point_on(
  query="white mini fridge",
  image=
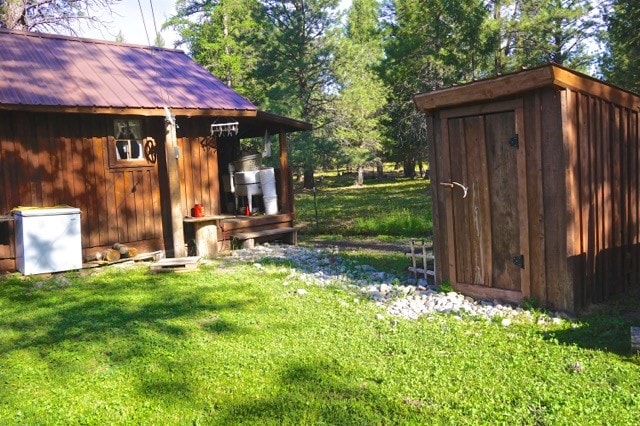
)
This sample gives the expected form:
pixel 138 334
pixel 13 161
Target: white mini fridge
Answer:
pixel 47 239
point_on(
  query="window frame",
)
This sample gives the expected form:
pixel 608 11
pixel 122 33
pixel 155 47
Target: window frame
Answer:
pixel 114 144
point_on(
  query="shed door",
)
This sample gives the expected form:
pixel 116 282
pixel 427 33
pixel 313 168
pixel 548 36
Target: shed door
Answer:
pixel 486 230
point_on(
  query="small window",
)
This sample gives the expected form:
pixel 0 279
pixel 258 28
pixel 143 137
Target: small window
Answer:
pixel 128 147
pixel 128 134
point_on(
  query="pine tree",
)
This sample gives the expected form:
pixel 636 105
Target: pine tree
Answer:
pixel 621 62
pixel 359 105
pixel 298 68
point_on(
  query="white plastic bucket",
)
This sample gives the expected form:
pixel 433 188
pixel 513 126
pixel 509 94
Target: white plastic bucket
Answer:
pixel 270 205
pixel 268 182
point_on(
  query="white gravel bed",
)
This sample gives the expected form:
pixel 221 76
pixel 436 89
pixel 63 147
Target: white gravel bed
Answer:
pixel 401 296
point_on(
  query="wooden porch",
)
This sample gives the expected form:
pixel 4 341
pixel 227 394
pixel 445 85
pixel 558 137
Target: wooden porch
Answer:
pixel 209 235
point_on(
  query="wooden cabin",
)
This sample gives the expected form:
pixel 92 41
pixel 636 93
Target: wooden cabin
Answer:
pixel 124 133
pixel 535 187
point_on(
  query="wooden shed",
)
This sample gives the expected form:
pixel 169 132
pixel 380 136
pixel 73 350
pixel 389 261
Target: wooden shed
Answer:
pixel 124 133
pixel 535 187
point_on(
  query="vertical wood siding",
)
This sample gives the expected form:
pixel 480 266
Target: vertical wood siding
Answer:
pixel 52 159
pixel 605 166
pixel 198 166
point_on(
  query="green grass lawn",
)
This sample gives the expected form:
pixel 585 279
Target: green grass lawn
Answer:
pixel 391 208
pixel 239 344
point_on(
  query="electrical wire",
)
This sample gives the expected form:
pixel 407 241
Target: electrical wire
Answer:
pixel 144 24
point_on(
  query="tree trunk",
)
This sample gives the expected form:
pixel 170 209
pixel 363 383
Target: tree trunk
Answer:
pixel 309 183
pixel 359 177
pixel 380 169
pixel 409 168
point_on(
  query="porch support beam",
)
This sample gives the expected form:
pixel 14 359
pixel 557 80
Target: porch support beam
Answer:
pixel 175 197
pixel 286 189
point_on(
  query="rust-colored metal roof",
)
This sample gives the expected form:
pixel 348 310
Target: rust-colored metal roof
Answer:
pixel 50 71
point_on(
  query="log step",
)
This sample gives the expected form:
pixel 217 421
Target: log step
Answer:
pixel 177 264
pixel 249 238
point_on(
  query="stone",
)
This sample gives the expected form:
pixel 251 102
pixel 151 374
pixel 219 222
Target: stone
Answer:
pixel 301 292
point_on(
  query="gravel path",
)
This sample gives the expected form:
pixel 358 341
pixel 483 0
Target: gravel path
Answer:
pixel 400 297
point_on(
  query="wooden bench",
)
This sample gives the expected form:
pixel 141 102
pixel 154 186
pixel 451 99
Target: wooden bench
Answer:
pixel 249 238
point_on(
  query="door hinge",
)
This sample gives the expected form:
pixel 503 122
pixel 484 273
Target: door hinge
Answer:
pixel 518 260
pixel 514 141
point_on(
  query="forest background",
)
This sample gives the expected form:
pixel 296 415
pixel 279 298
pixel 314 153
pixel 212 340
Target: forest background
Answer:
pixel 353 74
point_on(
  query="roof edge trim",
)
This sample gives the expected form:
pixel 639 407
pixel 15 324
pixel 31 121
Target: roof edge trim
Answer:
pixel 549 75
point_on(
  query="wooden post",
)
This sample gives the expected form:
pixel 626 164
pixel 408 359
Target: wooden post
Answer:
pixel 286 192
pixel 173 173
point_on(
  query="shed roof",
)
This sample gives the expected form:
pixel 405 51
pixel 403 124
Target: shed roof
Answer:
pixel 550 75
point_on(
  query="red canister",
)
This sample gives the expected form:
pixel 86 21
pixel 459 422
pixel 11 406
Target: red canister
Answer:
pixel 197 210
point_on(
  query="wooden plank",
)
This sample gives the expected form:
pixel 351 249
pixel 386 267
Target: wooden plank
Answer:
pixel 548 76
pixel 24 171
pixel 488 293
pixel 91 204
pixel 571 79
pixel 607 203
pixel 583 293
pixel 486 89
pixel 244 222
pixel 154 112
pixel 213 180
pixel 598 188
pixel 439 233
pixel 554 196
pixel 616 212
pixel 624 200
pixel 572 190
pixel 147 204
pixel 156 202
pixel 181 264
pixel 446 201
pixel 9 162
pixel 461 229
pixel 44 179
pixel 254 228
pixel 522 202
pixel 502 165
pixel 111 178
pixel 533 129
pixel 265 233
pixel 139 195
pixel 186 161
pixel 478 199
pixel 101 194
pixel 635 196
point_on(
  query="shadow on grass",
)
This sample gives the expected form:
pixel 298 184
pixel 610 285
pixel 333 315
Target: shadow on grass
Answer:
pixel 318 393
pixel 121 310
pixel 609 333
pixel 605 326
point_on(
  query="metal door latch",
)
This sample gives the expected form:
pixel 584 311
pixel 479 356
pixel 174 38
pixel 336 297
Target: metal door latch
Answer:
pixel 452 184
